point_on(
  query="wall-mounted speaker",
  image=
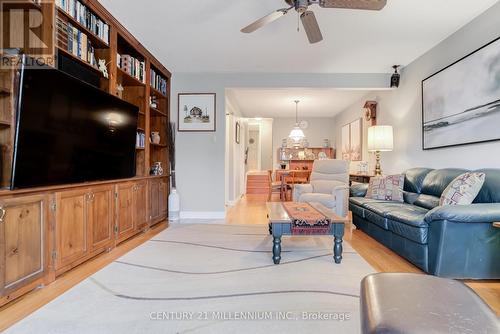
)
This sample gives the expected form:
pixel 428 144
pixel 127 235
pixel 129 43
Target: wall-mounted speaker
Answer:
pixel 396 77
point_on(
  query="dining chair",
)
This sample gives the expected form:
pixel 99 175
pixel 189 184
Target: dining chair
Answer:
pixel 275 187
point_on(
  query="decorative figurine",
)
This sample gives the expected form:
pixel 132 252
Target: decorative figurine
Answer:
pixel 103 68
pixel 119 90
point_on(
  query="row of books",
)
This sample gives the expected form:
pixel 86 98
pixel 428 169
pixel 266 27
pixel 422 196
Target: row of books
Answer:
pixel 75 42
pixel 140 141
pixel 86 17
pixel 133 66
pixel 158 82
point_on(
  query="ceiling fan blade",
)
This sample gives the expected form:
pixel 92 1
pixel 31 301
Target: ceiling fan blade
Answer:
pixel 354 4
pixel 311 27
pixel 265 20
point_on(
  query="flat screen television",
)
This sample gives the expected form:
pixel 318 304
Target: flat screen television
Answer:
pixel 70 132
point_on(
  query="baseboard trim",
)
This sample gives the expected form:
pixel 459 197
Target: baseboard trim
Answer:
pixel 203 215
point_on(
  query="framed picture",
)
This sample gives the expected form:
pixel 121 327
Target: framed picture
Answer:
pixel 352 139
pixel 196 112
pixel 237 135
pixel 461 103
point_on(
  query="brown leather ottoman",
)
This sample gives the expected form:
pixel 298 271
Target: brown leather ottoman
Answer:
pixel 413 303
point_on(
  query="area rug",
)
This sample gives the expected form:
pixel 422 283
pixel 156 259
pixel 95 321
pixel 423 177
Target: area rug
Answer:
pixel 201 278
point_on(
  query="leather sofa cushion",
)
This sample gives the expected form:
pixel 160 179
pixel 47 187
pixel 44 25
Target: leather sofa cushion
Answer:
pixel 376 219
pixel 427 201
pixel 410 215
pixel 489 192
pixel 384 208
pixel 357 210
pixel 360 201
pixel 437 180
pixel 409 222
pixel 411 232
pixel 381 213
pixel 356 205
pixel 325 199
pixel 414 179
pixel 410 197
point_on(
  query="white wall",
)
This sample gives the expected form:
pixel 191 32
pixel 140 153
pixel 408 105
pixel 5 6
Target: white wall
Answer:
pixel 318 130
pixel 201 156
pixel 402 108
pixel 266 144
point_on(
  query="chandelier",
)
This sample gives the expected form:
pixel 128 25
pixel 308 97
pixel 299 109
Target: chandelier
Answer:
pixel 297 135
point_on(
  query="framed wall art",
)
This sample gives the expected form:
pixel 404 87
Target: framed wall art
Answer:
pixel 196 112
pixel 352 139
pixel 461 103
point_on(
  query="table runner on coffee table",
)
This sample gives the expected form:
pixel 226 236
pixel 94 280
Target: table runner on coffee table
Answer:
pixel 306 220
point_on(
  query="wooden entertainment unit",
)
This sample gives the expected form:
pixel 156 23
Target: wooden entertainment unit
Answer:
pixel 47 231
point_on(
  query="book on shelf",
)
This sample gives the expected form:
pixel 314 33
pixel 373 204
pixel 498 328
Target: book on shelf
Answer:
pixel 72 40
pixel 132 66
pixel 158 82
pixel 83 15
pixel 140 140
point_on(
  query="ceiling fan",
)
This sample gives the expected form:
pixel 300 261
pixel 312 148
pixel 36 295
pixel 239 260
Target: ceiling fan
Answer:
pixel 308 18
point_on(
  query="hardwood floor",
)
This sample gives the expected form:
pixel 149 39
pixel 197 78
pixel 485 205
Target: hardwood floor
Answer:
pixel 251 209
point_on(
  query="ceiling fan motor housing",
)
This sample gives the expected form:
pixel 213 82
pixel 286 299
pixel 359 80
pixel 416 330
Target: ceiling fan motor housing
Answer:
pixel 300 5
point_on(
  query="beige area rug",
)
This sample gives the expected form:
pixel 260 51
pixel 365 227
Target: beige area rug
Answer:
pixel 201 278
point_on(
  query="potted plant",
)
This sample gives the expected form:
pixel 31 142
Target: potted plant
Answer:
pixel 174 205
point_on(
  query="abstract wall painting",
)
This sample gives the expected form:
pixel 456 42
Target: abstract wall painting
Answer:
pixel 461 103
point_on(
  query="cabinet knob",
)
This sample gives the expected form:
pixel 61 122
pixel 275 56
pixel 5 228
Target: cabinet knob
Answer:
pixel 2 214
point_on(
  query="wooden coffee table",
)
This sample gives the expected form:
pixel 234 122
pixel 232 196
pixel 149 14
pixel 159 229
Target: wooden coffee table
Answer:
pixel 280 224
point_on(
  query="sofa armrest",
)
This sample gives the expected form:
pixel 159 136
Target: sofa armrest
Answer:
pixel 359 190
pixel 341 194
pixel 300 189
pixel 474 213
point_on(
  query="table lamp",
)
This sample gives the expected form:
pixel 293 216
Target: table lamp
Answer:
pixel 380 139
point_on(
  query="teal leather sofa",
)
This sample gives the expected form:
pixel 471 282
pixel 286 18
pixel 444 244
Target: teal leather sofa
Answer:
pixel 446 241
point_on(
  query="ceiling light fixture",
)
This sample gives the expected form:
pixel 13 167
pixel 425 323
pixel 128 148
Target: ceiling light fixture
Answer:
pixel 297 135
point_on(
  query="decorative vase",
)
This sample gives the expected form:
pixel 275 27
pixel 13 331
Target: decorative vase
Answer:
pixel 155 137
pixel 174 206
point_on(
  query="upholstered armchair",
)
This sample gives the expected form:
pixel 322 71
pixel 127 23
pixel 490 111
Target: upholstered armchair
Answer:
pixel 329 185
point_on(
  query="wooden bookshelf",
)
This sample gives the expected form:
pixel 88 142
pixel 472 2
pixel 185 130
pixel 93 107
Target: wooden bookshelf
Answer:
pixel 96 41
pixel 139 202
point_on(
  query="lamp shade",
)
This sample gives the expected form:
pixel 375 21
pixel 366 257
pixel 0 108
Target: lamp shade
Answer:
pixel 380 138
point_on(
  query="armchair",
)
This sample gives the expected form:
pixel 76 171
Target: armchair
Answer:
pixel 329 185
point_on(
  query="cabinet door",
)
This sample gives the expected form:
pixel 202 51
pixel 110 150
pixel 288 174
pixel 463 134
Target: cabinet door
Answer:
pixel 163 198
pixel 71 226
pixel 23 241
pixel 125 211
pixel 140 204
pixel 154 200
pixel 100 216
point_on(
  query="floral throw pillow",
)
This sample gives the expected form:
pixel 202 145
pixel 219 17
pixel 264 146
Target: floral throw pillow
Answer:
pixel 463 189
pixel 387 188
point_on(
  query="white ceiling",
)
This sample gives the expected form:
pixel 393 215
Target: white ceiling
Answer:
pixel 204 36
pixel 272 103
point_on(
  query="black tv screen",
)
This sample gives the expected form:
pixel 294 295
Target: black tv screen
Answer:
pixel 70 132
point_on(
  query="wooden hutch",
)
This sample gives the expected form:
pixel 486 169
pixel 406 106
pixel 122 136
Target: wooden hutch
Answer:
pixel 47 231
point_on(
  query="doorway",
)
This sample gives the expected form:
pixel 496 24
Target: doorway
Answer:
pixel 253 148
